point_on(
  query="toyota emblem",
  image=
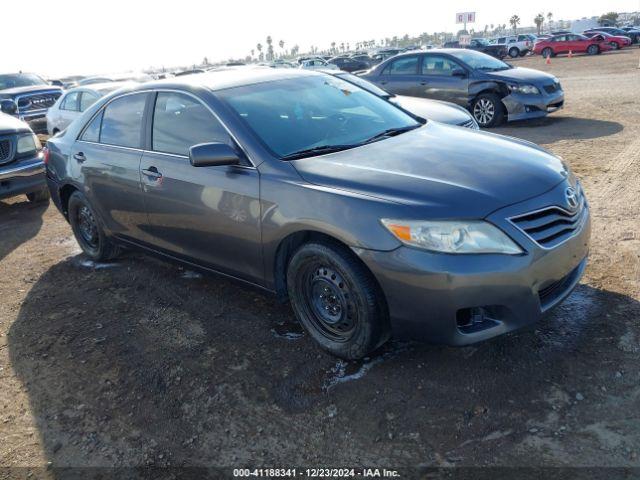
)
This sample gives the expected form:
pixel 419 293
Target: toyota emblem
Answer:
pixel 572 198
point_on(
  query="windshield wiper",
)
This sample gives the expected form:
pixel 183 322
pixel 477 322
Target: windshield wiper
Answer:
pixel 390 132
pixel 307 152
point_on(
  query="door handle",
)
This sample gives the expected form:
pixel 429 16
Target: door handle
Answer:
pixel 423 83
pixel 152 172
pixel 79 157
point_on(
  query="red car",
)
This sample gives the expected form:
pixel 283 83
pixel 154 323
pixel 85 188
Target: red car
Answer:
pixel 570 42
pixel 616 41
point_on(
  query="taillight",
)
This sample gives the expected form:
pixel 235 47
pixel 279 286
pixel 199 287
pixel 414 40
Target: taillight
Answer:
pixel 45 155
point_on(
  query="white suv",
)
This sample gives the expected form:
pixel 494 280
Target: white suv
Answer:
pixel 517 45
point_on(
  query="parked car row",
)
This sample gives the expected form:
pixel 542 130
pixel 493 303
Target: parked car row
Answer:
pixel 591 42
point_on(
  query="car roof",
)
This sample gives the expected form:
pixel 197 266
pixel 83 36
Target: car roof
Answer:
pixel 103 88
pixel 233 77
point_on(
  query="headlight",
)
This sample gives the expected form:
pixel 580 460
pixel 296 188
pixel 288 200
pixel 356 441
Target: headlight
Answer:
pixel 28 143
pixel 449 236
pixel 526 89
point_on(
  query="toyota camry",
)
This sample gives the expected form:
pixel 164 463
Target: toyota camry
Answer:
pixel 369 222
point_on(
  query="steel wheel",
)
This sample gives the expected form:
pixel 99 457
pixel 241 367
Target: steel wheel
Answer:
pixel 87 226
pixel 484 111
pixel 328 302
pixel 593 49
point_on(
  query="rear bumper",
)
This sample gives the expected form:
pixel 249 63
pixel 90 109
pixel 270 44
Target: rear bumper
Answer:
pixel 433 296
pixel 522 107
pixel 24 176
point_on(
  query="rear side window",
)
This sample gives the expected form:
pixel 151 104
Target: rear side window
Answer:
pixel 403 66
pixel 122 121
pixel 70 102
pixel 179 122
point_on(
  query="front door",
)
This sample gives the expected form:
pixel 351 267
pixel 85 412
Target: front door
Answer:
pixel 209 215
pixel 107 156
pixel 443 79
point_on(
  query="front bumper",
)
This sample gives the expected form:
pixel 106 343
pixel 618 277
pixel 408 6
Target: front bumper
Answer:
pixel 522 107
pixel 36 119
pixel 22 176
pixel 431 296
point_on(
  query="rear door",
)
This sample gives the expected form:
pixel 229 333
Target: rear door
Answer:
pixel 210 215
pixel 108 155
pixel 68 111
pixel 438 82
pixel 401 77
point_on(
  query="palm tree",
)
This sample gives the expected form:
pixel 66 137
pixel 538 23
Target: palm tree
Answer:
pixel 333 47
pixel 514 22
pixel 281 45
pixel 539 20
pixel 269 48
pixel 549 18
pixel 253 52
pixel 259 47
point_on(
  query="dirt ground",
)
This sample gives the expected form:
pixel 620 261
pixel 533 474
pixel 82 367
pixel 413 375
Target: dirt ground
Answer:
pixel 141 362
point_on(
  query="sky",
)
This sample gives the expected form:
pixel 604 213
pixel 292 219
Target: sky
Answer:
pixel 100 36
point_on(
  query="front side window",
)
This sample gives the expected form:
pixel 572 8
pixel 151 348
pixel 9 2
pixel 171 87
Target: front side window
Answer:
pixel 436 65
pixel 70 102
pixel 179 122
pixel 479 61
pixel 403 66
pixel 122 121
pixel 316 112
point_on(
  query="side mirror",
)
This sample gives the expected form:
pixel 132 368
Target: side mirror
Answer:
pixel 8 106
pixel 212 155
pixel 458 72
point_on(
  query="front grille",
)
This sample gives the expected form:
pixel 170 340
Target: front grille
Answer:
pixel 6 150
pixel 553 225
pixel 37 101
pixel 554 87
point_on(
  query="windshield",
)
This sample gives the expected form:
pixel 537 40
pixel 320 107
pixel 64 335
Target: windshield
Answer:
pixel 20 80
pixel 317 112
pixel 480 61
pixel 365 84
pixel 481 41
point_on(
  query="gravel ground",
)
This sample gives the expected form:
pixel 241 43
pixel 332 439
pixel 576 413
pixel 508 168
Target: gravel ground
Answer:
pixel 140 362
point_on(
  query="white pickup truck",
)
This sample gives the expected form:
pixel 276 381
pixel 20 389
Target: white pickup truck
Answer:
pixel 517 45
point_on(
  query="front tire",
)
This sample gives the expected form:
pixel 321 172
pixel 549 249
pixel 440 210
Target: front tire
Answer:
pixel 614 46
pixel 514 52
pixel 337 300
pixel 88 230
pixel 39 197
pixel 593 50
pixel 487 110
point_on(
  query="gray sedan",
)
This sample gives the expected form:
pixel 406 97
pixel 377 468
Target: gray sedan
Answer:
pixel 371 223
pixel 492 90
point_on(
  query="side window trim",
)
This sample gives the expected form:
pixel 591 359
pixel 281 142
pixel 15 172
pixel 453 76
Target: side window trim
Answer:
pixel 146 124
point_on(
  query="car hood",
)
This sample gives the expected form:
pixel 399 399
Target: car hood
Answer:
pixel 519 74
pixel 30 89
pixel 9 124
pixel 433 109
pixel 452 172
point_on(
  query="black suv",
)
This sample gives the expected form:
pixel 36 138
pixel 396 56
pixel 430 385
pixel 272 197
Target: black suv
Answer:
pixel 349 64
pixel 481 45
pixel 27 97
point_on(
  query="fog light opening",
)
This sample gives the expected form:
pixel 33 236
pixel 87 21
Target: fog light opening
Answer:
pixel 476 319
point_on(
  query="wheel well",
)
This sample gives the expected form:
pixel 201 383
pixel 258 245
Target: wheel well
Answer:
pixel 288 246
pixel 65 193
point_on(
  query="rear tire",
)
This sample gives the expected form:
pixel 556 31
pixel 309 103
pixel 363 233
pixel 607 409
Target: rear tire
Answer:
pixel 337 300
pixel 88 230
pixel 614 46
pixel 547 52
pixel 487 110
pixel 593 50
pixel 514 52
pixel 39 196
